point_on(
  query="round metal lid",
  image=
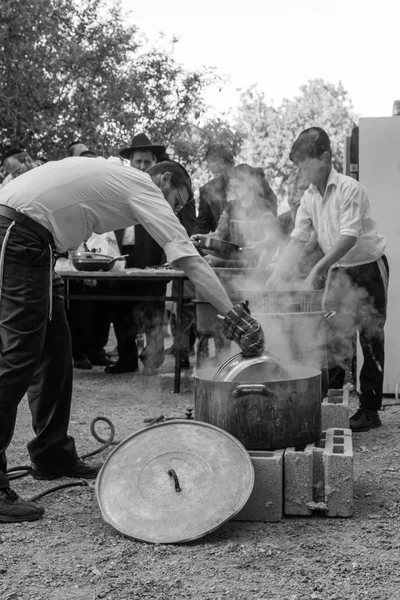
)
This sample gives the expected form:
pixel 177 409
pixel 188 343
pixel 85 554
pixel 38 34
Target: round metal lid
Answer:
pixel 174 482
pixel 265 367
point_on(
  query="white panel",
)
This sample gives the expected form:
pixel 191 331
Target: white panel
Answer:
pixel 379 172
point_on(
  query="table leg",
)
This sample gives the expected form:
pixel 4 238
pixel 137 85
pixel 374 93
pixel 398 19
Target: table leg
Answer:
pixel 179 304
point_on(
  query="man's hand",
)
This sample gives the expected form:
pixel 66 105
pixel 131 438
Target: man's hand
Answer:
pixel 311 281
pixel 197 238
pixel 240 327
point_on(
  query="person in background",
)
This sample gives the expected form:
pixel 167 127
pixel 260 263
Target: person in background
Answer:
pixel 54 209
pixel 15 162
pixel 213 195
pixel 131 318
pixel 76 148
pixel 337 209
pixel 187 339
pixel 249 218
pixel 312 252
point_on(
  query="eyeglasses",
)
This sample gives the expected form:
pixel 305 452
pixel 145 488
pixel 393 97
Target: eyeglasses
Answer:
pixel 182 204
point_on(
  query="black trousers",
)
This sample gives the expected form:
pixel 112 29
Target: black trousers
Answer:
pixel 89 321
pixel 359 297
pixel 35 352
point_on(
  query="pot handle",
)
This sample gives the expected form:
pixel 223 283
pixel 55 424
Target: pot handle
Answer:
pixel 251 388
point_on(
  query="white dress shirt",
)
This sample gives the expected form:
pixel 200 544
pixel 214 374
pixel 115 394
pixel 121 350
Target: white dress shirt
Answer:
pixel 75 197
pixel 343 210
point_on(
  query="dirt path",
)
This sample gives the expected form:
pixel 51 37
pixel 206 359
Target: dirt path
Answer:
pixel 72 554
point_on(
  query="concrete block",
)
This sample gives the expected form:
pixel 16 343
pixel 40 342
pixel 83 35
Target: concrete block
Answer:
pixel 335 409
pixel 338 467
pixel 298 478
pixel 266 500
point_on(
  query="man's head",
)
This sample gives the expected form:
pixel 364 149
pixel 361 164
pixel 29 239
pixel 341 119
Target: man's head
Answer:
pixel 219 159
pixel 312 154
pixel 142 159
pixel 88 154
pixel 17 162
pixel 142 154
pixel 174 182
pixel 76 148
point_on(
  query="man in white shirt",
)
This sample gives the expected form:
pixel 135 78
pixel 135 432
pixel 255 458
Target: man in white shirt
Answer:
pixel 55 208
pixel 337 209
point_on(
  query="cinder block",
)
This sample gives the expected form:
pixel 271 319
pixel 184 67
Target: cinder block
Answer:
pixel 338 467
pixel 266 500
pixel 298 477
pixel 335 409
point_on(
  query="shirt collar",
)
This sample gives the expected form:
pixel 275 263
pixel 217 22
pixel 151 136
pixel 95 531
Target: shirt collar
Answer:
pixel 333 179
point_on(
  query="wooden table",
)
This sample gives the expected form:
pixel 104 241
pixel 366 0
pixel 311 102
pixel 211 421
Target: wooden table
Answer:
pixel 161 275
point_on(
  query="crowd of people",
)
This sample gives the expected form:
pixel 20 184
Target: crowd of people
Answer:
pixel 143 202
pixel 237 205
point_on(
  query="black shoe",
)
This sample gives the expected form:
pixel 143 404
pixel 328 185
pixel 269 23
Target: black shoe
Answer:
pixel 117 368
pixel 80 470
pixel 364 420
pixel 84 364
pixel 14 509
pixel 102 361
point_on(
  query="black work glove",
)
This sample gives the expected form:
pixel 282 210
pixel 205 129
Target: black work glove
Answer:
pixel 240 327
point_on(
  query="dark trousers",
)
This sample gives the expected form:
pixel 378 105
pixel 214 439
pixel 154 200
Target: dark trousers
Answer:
pixel 89 320
pixel 359 297
pixel 35 353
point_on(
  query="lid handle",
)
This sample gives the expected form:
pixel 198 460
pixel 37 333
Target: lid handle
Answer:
pixel 173 474
pixel 251 388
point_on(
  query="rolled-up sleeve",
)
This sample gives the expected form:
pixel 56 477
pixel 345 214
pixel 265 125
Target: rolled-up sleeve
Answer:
pixel 351 207
pixel 303 226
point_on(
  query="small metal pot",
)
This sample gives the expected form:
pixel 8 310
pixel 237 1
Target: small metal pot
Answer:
pixel 89 261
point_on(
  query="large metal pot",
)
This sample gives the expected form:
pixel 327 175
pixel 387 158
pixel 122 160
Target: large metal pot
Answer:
pixel 263 415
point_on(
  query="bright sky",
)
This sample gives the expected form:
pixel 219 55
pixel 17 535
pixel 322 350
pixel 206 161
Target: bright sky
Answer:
pixel 281 44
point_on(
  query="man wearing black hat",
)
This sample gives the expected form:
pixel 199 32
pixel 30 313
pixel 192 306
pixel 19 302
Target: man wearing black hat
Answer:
pixel 142 154
pixel 142 252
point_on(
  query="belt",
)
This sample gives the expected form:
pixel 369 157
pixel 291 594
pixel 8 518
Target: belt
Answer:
pixel 25 221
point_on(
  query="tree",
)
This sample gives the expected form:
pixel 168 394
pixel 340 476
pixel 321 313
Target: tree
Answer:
pixel 75 69
pixel 268 132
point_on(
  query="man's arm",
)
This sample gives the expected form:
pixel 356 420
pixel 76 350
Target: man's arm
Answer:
pixel 340 249
pixel 207 283
pixel 291 256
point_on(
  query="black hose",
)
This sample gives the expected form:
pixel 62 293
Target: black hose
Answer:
pixel 24 470
pixel 81 483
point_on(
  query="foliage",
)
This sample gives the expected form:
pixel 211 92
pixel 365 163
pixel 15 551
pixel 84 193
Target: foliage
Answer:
pixel 269 131
pixel 74 69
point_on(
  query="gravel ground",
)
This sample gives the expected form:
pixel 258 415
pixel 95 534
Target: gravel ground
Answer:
pixel 73 554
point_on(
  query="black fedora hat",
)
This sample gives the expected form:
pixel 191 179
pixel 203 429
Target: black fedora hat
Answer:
pixel 142 142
